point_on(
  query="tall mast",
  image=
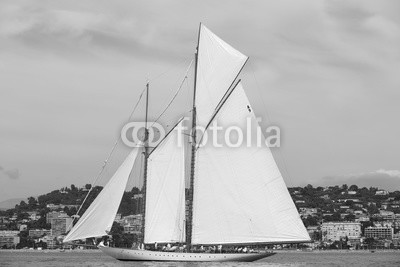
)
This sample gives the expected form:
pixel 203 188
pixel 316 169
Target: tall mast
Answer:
pixel 189 225
pixel 146 155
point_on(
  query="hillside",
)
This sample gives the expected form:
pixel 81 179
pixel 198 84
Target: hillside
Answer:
pixel 10 203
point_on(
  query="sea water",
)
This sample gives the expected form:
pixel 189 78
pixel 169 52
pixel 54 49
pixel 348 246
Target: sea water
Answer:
pixel 282 258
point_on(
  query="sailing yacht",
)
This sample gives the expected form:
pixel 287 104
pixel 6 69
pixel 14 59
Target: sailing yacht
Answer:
pixel 237 196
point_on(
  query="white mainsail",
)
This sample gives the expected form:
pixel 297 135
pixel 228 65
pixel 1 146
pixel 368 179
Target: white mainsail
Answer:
pixel 217 67
pixel 240 195
pixel 165 191
pixel 99 217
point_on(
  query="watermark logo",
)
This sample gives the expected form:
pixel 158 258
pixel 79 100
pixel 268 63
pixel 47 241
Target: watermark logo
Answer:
pixel 132 134
pixel 248 134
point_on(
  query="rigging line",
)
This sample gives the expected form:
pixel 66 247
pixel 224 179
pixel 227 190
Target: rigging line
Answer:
pixel 216 112
pixel 222 101
pixel 165 137
pixel 175 95
pixel 280 153
pixel 108 157
pixel 171 69
pixel 225 96
pixel 118 139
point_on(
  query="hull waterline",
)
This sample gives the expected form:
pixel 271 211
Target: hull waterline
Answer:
pixel 147 255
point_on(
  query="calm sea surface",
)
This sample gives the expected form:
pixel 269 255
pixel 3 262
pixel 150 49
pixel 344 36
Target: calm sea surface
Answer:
pixel 96 258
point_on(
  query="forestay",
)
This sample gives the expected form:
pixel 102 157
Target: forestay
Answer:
pixel 240 195
pixel 99 217
pixel 165 191
pixel 217 67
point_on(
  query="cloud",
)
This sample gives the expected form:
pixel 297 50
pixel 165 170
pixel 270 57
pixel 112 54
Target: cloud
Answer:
pixel 12 174
pixel 64 31
pixel 384 179
pixel 391 173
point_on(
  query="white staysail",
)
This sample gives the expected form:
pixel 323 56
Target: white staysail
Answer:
pixel 165 191
pixel 217 67
pixel 240 195
pixel 99 217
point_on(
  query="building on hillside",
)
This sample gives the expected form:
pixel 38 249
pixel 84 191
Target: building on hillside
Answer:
pixel 49 240
pixel 55 214
pixel 305 212
pixel 9 239
pixel 396 240
pixel 362 219
pixel 384 224
pixel 33 215
pixel 358 212
pixel 132 224
pixel 61 225
pixel 40 232
pixel 314 232
pixel 335 231
pixel 23 227
pixel 54 206
pixel 381 193
pixel 387 215
pixel 118 218
pixel 379 232
pixel 132 219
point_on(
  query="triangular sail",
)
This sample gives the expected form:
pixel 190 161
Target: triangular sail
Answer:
pixel 217 67
pixel 240 195
pixel 165 191
pixel 99 217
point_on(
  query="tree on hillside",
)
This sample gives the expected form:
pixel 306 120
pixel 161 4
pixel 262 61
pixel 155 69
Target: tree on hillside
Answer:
pixel 372 209
pixel 73 188
pixel 349 203
pixel 32 202
pixel 310 221
pixel 135 190
pixel 350 217
pixel 353 187
pixel 372 190
pixel 364 192
pixel 22 205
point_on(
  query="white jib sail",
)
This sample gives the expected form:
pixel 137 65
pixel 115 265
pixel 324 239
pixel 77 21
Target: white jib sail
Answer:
pixel 99 217
pixel 240 195
pixel 217 67
pixel 165 191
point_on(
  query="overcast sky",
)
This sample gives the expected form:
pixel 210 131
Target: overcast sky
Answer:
pixel 326 72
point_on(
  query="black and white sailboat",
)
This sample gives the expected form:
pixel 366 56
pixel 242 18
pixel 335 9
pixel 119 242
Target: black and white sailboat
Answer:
pixel 237 195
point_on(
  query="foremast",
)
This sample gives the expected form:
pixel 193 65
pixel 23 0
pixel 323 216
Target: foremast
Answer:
pixel 189 225
pixel 146 155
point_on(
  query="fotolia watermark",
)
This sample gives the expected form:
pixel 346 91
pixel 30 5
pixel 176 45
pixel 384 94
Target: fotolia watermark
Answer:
pixel 249 134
